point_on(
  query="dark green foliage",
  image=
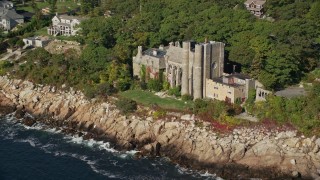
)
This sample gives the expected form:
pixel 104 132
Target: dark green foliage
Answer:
pixel 278 53
pixel 175 91
pixel 209 109
pixel 215 110
pixel 124 84
pixel 12 41
pixel 53 7
pixel 186 97
pixel 154 85
pixel 126 105
pixel 5 66
pixel 79 72
pixel 303 112
pixel 105 89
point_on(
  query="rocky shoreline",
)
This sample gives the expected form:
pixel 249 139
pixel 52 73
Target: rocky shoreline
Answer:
pixel 245 153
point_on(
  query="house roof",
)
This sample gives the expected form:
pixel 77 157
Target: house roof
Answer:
pixel 41 38
pixel 9 14
pixel 239 76
pixel 6 3
pixel 150 52
pixel 64 24
pixel 220 81
pixel 70 17
pixel 257 2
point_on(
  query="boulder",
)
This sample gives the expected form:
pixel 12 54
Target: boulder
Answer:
pixel 293 161
pixel 291 142
pixel 238 151
pixel 187 117
pixel 295 174
pixel 20 113
pixel 28 121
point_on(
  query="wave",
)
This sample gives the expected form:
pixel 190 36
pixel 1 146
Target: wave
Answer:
pixel 91 163
pixel 206 174
pixel 32 141
pixel 91 143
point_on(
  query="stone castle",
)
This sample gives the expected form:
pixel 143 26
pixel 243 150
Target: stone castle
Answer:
pixel 189 66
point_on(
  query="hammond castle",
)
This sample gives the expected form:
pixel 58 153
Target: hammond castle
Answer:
pixel 198 68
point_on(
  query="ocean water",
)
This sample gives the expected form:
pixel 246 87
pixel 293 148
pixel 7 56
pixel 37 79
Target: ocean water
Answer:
pixel 42 153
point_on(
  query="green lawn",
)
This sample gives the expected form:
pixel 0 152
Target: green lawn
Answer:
pixel 62 7
pixel 148 98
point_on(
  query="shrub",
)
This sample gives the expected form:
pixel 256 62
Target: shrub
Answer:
pixel 4 65
pixel 126 105
pixel 123 84
pixel 159 114
pixel 89 92
pixel 143 85
pixel 175 91
pixel 166 85
pixel 154 85
pixel 105 89
pixel 186 97
pixel 200 105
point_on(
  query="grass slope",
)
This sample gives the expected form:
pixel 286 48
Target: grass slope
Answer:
pixel 147 98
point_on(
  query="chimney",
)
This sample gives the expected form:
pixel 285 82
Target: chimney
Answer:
pixel 177 44
pixel 155 52
pixel 161 47
pixel 57 14
pixel 234 68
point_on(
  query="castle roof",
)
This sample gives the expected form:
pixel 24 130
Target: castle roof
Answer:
pixel 239 76
pixel 158 53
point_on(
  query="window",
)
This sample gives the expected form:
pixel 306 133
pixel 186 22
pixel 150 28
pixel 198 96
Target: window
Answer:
pixel 216 87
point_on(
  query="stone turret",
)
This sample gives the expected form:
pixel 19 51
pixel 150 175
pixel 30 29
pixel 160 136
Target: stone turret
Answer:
pixel 217 59
pixel 139 54
pixel 197 72
pixel 185 69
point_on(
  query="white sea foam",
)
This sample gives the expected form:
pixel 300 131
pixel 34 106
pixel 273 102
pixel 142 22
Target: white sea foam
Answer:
pixel 34 127
pixel 208 175
pixel 91 163
pixel 10 117
pixel 53 130
pixel 32 141
pixel 91 143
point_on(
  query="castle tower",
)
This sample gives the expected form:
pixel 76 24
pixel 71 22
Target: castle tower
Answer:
pixel 207 59
pixel 197 72
pixel 217 63
pixel 185 69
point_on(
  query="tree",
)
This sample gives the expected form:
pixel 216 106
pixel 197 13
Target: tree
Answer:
pixel 52 7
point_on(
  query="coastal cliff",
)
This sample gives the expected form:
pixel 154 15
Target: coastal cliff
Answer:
pixel 246 152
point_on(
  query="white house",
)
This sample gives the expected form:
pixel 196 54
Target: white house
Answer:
pixel 9 18
pixel 64 25
pixel 36 41
pixel 256 7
